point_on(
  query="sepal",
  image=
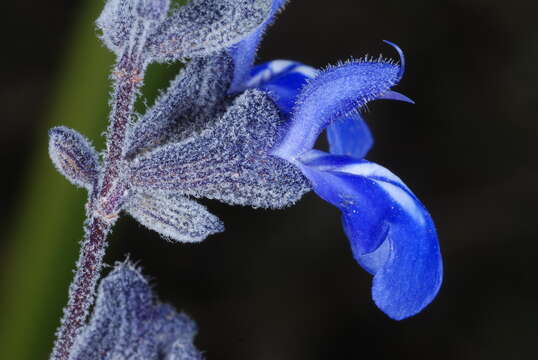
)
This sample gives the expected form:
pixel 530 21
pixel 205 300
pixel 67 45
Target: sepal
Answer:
pixel 116 22
pixel 182 351
pixel 194 100
pixel 174 217
pixel 153 10
pixel 204 27
pixel 73 156
pixel 126 23
pixel 229 161
pixel 128 323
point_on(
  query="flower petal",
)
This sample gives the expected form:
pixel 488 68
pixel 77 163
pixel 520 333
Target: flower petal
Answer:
pixel 173 216
pixel 391 233
pixel 244 52
pixel 203 27
pixel 334 93
pixel 364 206
pixel 412 275
pixel 282 80
pixel 229 162
pixel 350 136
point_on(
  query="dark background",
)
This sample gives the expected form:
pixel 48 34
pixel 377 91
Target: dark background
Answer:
pixel 282 284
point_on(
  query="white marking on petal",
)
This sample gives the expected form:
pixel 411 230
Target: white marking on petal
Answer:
pixel 272 69
pixel 369 169
pixel 307 71
pixel 406 201
pixel 278 66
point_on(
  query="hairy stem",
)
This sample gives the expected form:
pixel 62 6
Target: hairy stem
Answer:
pixel 128 77
pixel 81 290
pixel 102 208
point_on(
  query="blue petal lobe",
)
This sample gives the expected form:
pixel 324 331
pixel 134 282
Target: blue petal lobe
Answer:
pixel 391 233
pixel 374 260
pixel 332 94
pixel 350 136
pixel 412 276
pixel 283 90
pixel 244 53
pixel 363 204
pixel 282 80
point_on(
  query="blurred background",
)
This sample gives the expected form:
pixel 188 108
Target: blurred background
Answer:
pixel 283 284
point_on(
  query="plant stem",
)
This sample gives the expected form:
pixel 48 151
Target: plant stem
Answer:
pixel 82 288
pixel 128 76
pixel 102 208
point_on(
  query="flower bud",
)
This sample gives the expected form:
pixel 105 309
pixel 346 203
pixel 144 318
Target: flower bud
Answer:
pixel 73 156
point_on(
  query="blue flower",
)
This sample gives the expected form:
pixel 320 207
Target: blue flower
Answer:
pixel 391 233
pixel 245 135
